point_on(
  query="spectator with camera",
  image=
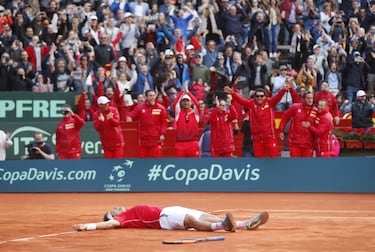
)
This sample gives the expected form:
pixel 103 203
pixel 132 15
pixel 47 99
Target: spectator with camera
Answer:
pixel 68 140
pixel 39 149
pixel 6 72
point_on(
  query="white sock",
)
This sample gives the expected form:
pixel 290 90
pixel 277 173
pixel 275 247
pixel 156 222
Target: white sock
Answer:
pixel 241 224
pixel 216 226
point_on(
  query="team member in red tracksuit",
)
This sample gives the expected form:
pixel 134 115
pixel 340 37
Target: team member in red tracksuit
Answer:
pixel 300 139
pixel 262 120
pixel 152 125
pixel 221 120
pixel 325 94
pixel 107 124
pixel 187 124
pixel 68 140
pixel 322 129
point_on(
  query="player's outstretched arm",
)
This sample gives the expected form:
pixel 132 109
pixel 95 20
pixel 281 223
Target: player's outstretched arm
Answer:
pixel 99 225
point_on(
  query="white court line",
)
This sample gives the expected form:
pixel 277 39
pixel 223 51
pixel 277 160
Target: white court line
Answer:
pixel 349 218
pixel 296 211
pixel 36 237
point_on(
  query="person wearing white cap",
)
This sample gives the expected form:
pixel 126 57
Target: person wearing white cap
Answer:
pixel 187 124
pixel 107 124
pixel 129 34
pixel 362 112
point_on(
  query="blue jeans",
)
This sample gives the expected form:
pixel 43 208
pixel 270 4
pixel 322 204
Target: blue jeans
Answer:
pixel 351 93
pixel 273 36
pixel 287 30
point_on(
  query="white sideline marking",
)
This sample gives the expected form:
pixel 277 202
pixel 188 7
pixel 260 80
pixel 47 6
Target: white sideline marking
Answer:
pixel 36 237
pixel 295 211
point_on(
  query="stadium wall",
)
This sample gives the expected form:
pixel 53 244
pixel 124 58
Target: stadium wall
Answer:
pixel 339 175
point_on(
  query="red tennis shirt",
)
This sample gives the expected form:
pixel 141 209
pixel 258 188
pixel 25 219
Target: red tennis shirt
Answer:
pixel 142 216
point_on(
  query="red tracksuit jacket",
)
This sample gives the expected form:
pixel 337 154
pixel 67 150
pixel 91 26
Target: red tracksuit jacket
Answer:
pixel 68 140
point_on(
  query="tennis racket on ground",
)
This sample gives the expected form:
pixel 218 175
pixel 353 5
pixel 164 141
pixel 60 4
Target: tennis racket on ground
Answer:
pixel 194 240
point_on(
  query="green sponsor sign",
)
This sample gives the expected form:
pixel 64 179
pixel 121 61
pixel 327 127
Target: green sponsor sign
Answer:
pixel 28 106
pixel 22 134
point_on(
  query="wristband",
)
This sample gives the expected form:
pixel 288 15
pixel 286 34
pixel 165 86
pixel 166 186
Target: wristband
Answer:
pixel 90 226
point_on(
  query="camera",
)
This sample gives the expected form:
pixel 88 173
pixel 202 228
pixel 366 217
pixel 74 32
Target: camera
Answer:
pixel 65 111
pixel 31 147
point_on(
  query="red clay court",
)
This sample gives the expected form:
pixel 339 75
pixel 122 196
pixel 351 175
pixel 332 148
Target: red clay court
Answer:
pixel 298 222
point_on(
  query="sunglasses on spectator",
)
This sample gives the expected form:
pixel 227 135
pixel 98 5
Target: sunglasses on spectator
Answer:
pixel 259 96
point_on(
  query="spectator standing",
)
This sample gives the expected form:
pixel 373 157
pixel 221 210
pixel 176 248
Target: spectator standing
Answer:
pixel 362 112
pixel 273 29
pixel 107 124
pixel 290 13
pixel 221 123
pixel 39 149
pixel 232 21
pixel 68 139
pixel 21 82
pixel 104 53
pixel 144 81
pixel 5 142
pixel 152 125
pixel 322 130
pixel 187 124
pixel 355 74
pixel 262 120
pixel 6 72
pixel 278 84
pixel 129 33
pixel 300 139
pixel 36 52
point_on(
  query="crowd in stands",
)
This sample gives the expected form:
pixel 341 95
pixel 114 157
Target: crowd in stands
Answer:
pixel 121 49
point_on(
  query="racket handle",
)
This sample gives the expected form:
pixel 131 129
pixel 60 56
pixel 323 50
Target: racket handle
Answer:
pixel 215 238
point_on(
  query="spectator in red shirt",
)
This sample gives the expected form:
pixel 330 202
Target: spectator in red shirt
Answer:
pixel 107 124
pixel 68 140
pixel 152 125
pixel 187 124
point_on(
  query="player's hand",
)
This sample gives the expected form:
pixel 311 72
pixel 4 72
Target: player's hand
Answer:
pixel 281 134
pixel 228 90
pixel 110 115
pixel 162 138
pixel 79 227
pixel 101 117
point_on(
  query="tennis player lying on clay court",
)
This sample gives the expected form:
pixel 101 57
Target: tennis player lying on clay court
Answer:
pixel 174 217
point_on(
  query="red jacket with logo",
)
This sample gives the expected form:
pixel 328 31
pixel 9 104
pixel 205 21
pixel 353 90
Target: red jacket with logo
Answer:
pixel 109 130
pixel 68 140
pixel 262 116
pixel 152 122
pixel 187 121
pixel 222 140
pixel 298 135
pixel 322 129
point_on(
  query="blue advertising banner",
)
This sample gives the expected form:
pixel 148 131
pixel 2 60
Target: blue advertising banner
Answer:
pixel 353 175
